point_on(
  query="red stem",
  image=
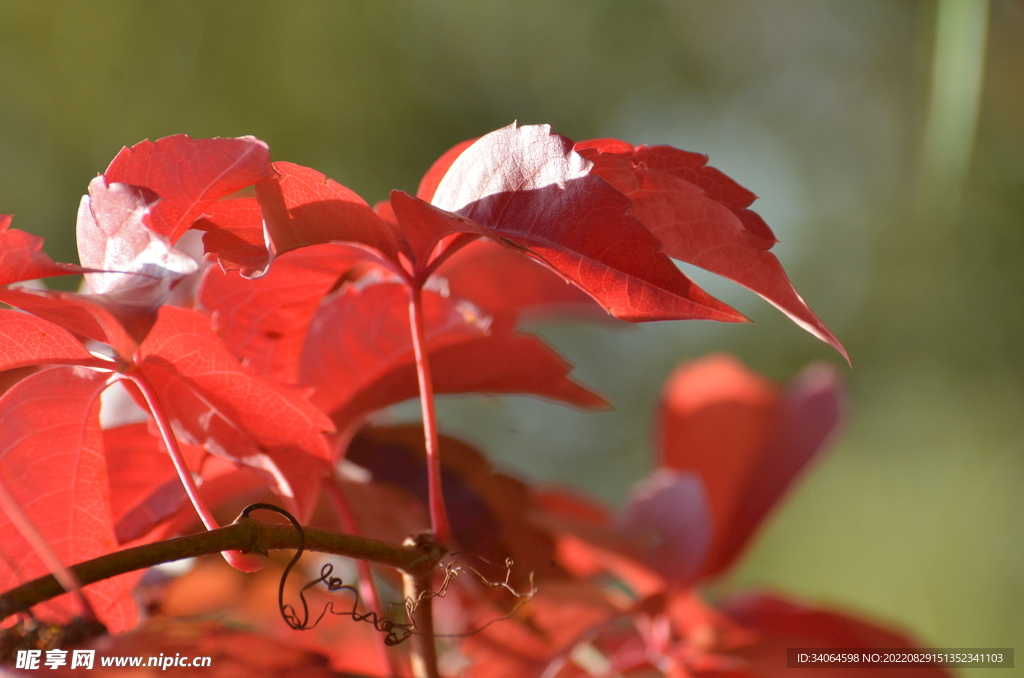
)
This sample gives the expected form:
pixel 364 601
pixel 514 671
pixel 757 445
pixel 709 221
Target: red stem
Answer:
pixel 240 561
pixel 438 513
pixel 367 587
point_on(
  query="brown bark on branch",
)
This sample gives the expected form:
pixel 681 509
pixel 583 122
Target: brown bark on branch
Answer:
pixel 246 534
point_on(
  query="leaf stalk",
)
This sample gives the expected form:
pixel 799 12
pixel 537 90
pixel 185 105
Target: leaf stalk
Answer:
pixel 237 560
pixel 435 496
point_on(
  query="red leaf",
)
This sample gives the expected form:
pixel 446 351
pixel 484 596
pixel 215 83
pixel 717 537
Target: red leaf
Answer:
pixel 667 517
pixel 302 207
pixel 146 488
pixel 489 510
pixel 22 256
pixel 482 271
pixel 213 401
pixel 530 189
pixel 745 438
pixel 295 475
pixel 51 461
pixel 527 187
pixel 149 491
pixel 189 175
pixel 700 216
pixel 234 233
pixel 27 340
pixel 358 355
pixel 783 624
pixel 428 230
pixel 384 511
pixel 361 334
pixel 811 412
pixel 589 544
pixel 83 314
pixel 264 321
pixel 509 362
pixel 430 180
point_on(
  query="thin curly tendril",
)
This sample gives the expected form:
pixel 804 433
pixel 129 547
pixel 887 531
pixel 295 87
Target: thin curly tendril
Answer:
pixel 395 632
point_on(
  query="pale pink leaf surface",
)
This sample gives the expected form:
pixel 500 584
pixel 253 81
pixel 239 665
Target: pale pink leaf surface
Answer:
pixel 189 175
pixel 112 237
pixel 433 176
pixel 52 462
pixel 527 187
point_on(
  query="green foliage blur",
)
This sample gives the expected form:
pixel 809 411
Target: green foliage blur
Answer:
pixel 892 173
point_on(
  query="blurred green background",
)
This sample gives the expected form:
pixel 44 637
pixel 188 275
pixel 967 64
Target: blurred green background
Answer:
pixel 885 138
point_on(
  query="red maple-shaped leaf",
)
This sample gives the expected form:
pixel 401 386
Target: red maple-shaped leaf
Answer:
pixel 524 187
pixel 22 256
pixel 603 215
pixel 745 438
pixel 52 463
pixel 701 217
pixel 189 175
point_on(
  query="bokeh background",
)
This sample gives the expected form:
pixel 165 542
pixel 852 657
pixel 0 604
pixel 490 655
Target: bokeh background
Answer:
pixel 885 137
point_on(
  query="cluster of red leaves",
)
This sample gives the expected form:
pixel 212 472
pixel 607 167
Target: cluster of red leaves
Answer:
pixel 262 370
pixel 620 589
